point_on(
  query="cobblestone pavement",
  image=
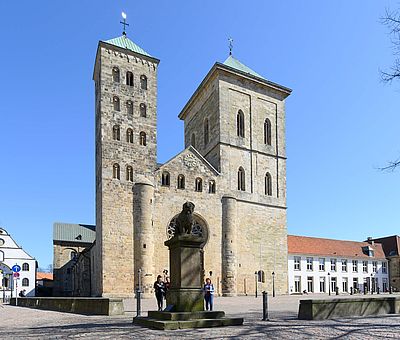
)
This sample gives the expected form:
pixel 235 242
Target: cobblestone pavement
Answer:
pixel 25 323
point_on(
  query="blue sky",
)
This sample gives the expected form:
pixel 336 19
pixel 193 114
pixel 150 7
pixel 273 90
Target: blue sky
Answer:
pixel 342 122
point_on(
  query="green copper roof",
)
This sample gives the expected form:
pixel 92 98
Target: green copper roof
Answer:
pixel 76 233
pixel 127 43
pixel 236 64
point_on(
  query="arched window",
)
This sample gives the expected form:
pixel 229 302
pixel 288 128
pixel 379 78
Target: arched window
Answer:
pixel 116 103
pixel 25 266
pixel 73 255
pixel 142 138
pixel 25 282
pixel 116 132
pixel 143 110
pixel 193 140
pixel 129 135
pixel 241 180
pixel 267 132
pixel 206 128
pixel 181 182
pixel 115 74
pixel 116 171
pixel 268 184
pixel 129 173
pixel 165 179
pixel 261 276
pixel 198 185
pixel 129 107
pixel 143 82
pixel 129 78
pixel 240 123
pixel 211 187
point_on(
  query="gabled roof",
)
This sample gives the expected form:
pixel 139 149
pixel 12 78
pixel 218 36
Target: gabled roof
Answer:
pixel 335 248
pixel 76 233
pixel 236 64
pixel 390 244
pixel 42 275
pixel 198 155
pixel 124 42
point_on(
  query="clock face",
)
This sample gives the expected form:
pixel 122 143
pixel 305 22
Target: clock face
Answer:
pixel 1 242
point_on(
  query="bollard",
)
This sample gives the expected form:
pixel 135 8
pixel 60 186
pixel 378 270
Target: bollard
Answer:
pixel 351 290
pixel 265 306
pixel 390 289
pixel 337 290
pixel 138 302
pixel 377 290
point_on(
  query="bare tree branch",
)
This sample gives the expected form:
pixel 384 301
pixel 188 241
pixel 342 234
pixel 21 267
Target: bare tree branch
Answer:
pixel 392 165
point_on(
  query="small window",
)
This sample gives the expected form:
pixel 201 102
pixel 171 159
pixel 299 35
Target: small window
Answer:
pixel 73 255
pixel 165 179
pixel 241 180
pixel 309 261
pixel 25 267
pixel 129 135
pixel 268 184
pixel 240 123
pixel 198 185
pixel 261 276
pixel 116 103
pixel 193 140
pixel 333 265
pixel 115 74
pixel 25 282
pixel 143 82
pixel 143 110
pixel 129 78
pixel 344 265
pixel 142 138
pixel 297 261
pixel 129 107
pixel 365 266
pixel 267 132
pixel 206 127
pixel 129 173
pixel 1 256
pixel 116 171
pixel 181 182
pixel 322 264
pixel 116 132
pixel 211 187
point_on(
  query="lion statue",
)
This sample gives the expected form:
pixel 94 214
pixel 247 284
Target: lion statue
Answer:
pixel 184 221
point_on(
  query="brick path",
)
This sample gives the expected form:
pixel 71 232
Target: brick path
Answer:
pixel 25 323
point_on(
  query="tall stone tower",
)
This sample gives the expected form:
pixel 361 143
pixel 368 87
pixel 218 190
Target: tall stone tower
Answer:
pixel 126 144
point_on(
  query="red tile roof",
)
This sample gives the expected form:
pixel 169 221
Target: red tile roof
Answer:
pixel 41 276
pixel 328 247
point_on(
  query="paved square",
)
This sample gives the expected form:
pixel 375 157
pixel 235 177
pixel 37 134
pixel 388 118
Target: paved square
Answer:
pixel 25 323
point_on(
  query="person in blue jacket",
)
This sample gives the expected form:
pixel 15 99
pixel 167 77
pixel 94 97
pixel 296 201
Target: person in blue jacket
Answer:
pixel 209 294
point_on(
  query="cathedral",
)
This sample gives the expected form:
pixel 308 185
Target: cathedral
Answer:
pixel 233 169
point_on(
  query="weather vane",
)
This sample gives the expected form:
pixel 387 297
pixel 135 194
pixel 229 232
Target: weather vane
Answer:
pixel 124 22
pixel 230 45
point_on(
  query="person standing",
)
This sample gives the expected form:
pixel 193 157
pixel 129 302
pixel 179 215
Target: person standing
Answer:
pixel 159 290
pixel 209 294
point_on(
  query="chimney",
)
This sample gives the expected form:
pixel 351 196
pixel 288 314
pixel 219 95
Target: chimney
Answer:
pixel 370 240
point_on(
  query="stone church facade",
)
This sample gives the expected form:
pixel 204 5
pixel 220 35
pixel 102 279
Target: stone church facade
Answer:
pixel 233 168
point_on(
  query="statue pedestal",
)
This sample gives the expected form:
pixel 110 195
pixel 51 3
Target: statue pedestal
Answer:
pixel 186 273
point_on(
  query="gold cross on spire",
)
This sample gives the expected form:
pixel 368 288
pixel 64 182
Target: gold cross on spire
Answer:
pixel 124 22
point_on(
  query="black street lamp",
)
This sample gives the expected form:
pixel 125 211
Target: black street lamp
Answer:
pixel 372 284
pixel 329 283
pixel 256 279
pixel 273 284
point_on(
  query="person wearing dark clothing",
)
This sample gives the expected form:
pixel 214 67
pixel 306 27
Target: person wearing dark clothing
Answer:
pixel 159 290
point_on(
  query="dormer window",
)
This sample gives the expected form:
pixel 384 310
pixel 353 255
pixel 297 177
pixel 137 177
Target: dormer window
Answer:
pixel 369 251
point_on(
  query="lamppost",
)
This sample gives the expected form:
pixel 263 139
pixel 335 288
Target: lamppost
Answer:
pixel 372 284
pixel 256 280
pixel 329 283
pixel 273 284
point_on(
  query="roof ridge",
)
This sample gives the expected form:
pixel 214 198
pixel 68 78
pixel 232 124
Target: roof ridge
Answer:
pixel 124 42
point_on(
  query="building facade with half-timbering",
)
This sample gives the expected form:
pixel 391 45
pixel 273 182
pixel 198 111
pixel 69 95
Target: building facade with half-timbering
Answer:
pixel 233 168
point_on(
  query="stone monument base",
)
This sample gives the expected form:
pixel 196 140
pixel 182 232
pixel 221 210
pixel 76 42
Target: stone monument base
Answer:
pixel 184 320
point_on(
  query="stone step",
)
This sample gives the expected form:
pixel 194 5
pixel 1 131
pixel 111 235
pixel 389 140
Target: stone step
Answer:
pixel 180 316
pixel 185 324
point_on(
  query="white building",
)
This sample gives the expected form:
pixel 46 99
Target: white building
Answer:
pixel 10 255
pixel 318 265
